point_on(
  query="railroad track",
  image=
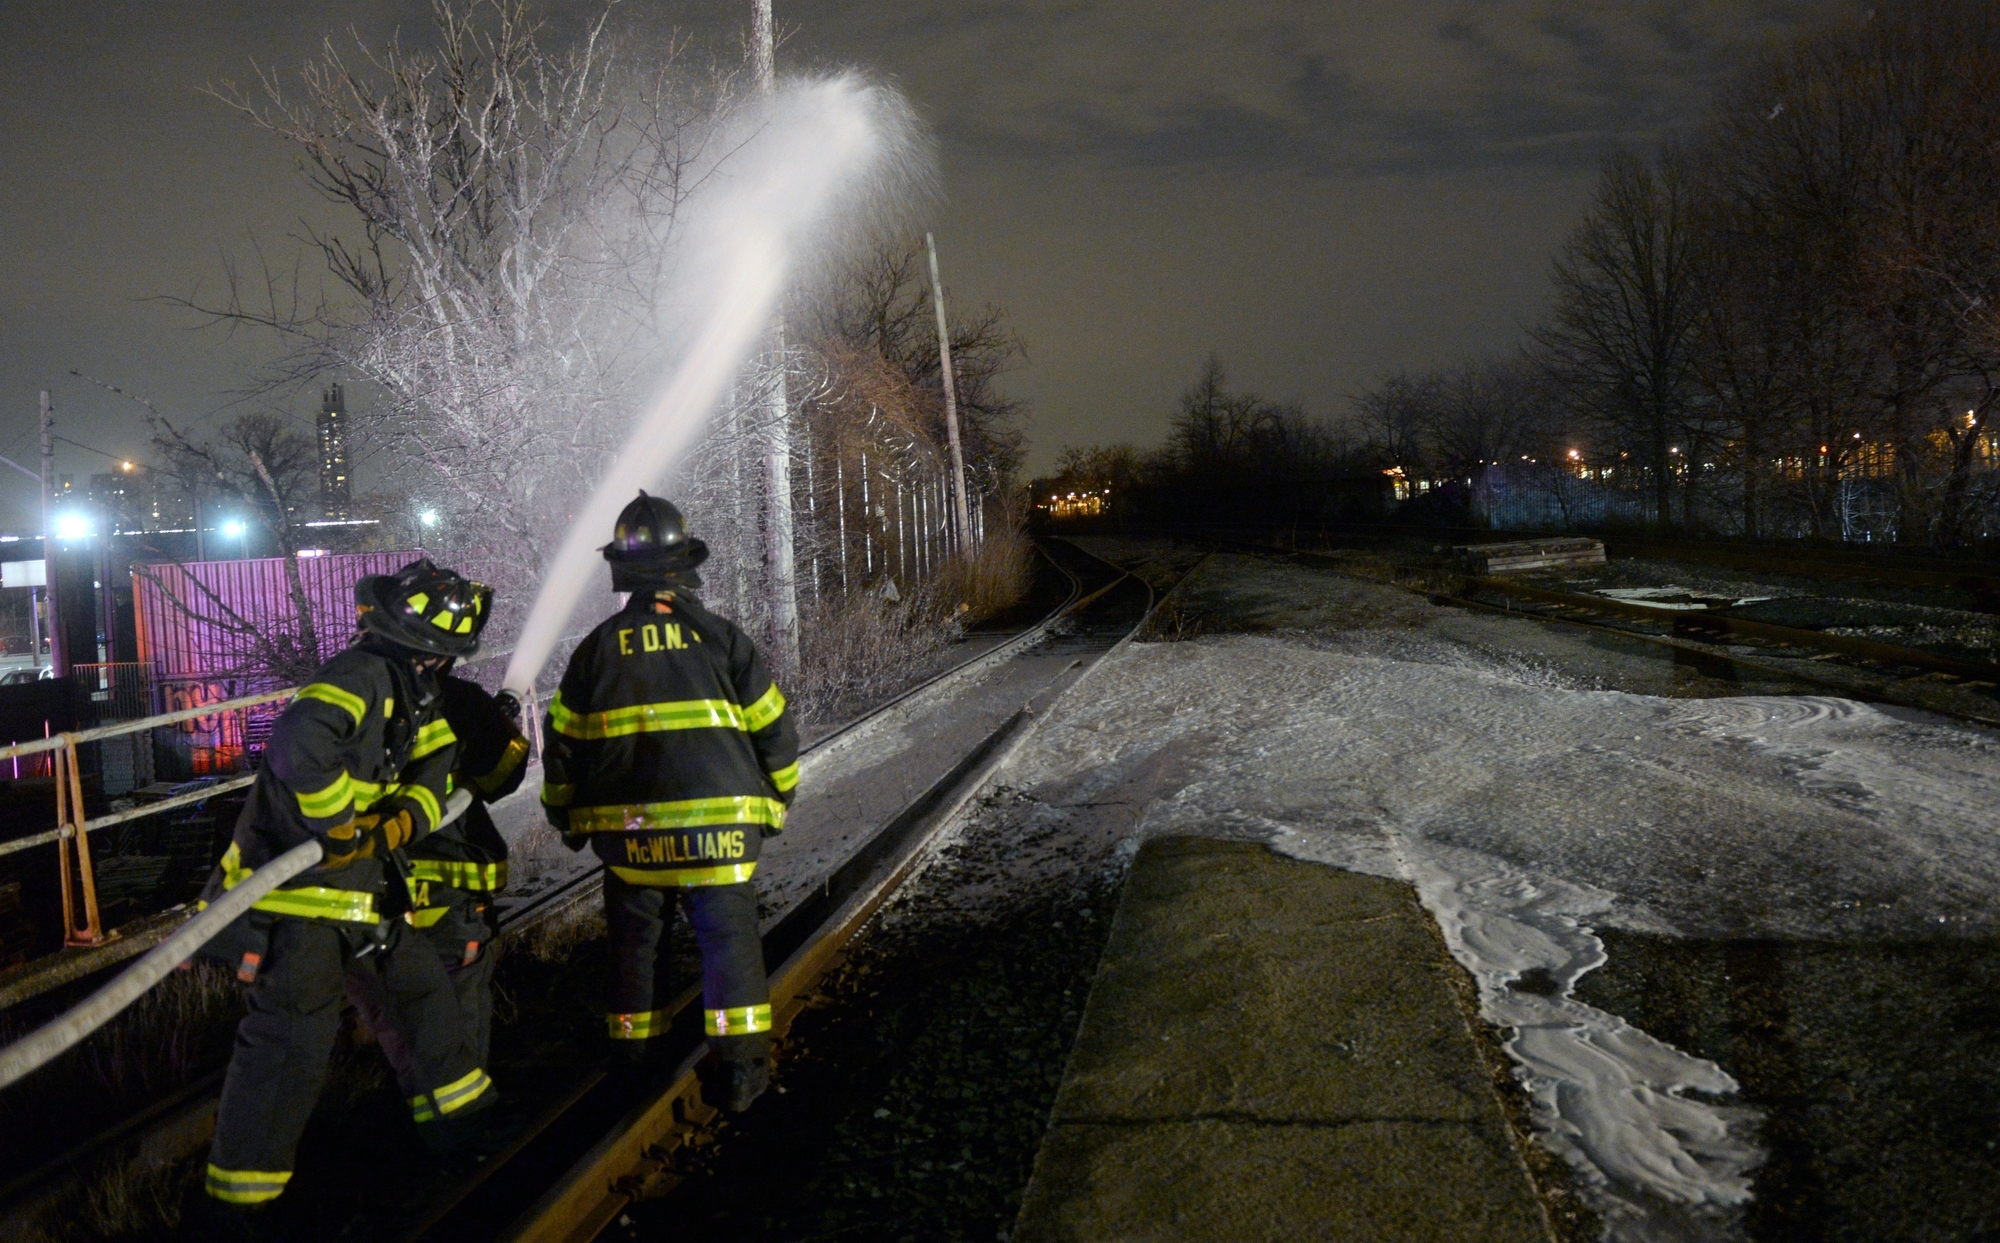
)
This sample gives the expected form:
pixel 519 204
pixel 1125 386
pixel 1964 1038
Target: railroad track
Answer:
pixel 582 1150
pixel 1706 635
pixel 1978 581
pixel 596 1152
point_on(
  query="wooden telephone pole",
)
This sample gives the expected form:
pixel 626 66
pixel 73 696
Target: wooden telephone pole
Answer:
pixel 961 512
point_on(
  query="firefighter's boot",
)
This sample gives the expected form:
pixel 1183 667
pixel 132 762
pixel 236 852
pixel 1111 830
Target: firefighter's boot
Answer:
pixel 741 1072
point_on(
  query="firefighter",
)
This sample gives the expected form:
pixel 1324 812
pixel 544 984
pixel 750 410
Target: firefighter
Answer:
pixel 456 873
pixel 669 749
pixel 358 761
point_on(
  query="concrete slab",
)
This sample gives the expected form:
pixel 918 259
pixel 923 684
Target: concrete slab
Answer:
pixel 1273 1050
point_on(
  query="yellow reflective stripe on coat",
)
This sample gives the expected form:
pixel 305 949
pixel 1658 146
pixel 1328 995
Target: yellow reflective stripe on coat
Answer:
pixel 510 759
pixel 461 874
pixel 786 778
pixel 330 802
pixel 739 1021
pixel 424 799
pixel 644 718
pixel 769 707
pixel 246 1186
pixel 640 1026
pixel 306 901
pixel 435 736
pixel 450 1098
pixel 557 794
pixel 320 902
pixel 327 693
pixel 686 813
pixel 427 916
pixel 686 878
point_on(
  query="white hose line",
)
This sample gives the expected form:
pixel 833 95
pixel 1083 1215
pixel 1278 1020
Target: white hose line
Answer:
pixel 45 1044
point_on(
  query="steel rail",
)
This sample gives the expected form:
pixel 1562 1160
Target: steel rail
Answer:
pixel 1791 636
pixel 1978 577
pixel 634 1158
pixel 1677 641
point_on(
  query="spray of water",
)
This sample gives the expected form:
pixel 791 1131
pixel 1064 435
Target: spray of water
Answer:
pixel 815 149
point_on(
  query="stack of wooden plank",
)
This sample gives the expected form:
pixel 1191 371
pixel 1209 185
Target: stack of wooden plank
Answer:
pixel 1534 554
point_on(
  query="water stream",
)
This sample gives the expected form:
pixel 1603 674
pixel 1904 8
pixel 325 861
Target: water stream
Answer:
pixel 809 152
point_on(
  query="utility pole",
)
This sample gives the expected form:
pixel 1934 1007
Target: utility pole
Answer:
pixel 778 552
pixel 958 507
pixel 58 655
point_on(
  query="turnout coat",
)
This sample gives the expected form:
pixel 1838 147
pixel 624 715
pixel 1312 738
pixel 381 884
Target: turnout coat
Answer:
pixel 363 736
pixel 669 748
pixel 465 864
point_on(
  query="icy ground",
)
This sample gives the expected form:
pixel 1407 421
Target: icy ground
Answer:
pixel 1484 760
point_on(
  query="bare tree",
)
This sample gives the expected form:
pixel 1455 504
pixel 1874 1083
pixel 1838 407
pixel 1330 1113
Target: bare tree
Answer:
pixel 1394 414
pixel 1628 310
pixel 514 208
pixel 263 466
pixel 882 301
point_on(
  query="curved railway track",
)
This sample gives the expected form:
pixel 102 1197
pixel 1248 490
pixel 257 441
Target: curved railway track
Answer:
pixel 1978 581
pixel 599 1151
pixel 1913 677
pixel 589 1149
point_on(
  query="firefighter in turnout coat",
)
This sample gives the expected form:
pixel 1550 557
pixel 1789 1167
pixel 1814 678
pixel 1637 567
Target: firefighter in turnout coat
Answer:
pixel 360 761
pixel 669 749
pixel 456 873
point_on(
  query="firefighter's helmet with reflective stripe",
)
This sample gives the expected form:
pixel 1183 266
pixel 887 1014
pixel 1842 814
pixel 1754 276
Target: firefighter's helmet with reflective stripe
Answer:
pixel 425 607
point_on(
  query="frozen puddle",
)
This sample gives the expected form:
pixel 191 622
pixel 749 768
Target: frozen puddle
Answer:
pixel 1676 598
pixel 1530 812
pixel 1654 1161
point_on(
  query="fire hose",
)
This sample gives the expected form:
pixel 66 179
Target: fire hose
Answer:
pixel 37 1049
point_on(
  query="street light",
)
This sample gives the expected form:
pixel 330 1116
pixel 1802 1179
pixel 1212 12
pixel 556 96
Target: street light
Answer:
pixel 72 525
pixel 233 528
pixel 429 517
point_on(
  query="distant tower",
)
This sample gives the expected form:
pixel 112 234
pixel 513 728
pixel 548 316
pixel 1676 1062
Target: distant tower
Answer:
pixel 336 501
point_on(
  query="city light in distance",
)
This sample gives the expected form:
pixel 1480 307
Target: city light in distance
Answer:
pixel 124 466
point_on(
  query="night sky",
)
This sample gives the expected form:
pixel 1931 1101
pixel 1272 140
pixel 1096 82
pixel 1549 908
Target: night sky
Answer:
pixel 1318 192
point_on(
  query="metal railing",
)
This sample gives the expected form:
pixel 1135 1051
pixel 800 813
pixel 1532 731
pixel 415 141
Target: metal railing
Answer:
pixel 73 827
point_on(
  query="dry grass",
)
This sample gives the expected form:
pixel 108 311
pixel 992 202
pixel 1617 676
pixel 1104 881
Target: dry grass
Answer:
pixel 558 937
pixel 992 580
pixel 860 649
pixel 177 1031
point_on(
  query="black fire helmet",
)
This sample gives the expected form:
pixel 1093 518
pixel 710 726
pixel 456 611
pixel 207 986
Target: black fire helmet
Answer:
pixel 651 532
pixel 423 607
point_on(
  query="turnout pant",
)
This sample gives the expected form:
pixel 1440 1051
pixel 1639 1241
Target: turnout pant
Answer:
pixel 462 940
pixel 735 996
pixel 279 1063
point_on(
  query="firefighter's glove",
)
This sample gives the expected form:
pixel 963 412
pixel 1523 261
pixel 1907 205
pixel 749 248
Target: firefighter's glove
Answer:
pixel 365 837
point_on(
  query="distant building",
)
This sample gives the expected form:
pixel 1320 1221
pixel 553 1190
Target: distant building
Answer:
pixel 336 499
pixel 137 498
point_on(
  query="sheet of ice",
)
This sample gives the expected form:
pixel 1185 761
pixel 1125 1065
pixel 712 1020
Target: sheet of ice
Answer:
pixel 1529 812
pixel 1676 597
pixel 1611 1100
